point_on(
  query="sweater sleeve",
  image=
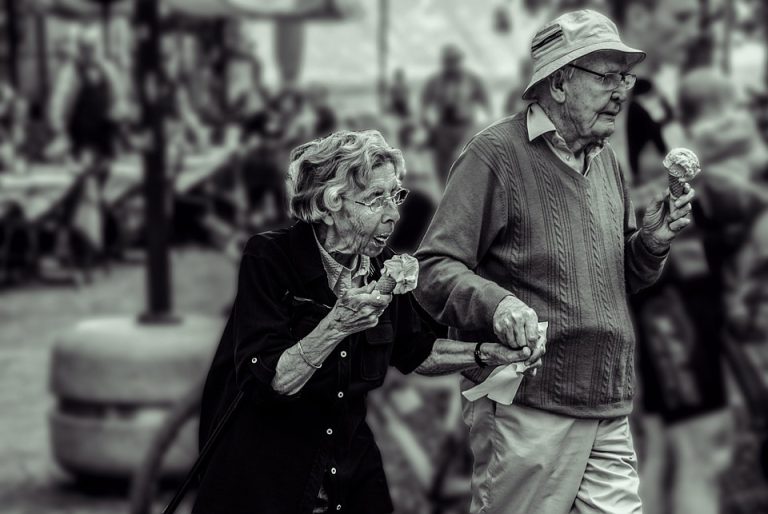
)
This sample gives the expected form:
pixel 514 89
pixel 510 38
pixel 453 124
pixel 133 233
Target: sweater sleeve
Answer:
pixel 641 267
pixel 471 215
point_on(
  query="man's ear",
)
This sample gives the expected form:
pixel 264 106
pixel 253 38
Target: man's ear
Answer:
pixel 556 83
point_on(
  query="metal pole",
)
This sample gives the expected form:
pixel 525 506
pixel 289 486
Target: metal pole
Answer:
pixel 41 49
pixel 156 194
pixel 383 51
pixel 730 13
pixel 12 40
pixel 106 15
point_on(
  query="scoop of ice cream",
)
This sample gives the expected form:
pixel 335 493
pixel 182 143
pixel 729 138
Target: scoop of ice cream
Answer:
pixel 682 164
pixel 404 270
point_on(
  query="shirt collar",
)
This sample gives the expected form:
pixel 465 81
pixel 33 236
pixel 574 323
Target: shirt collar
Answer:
pixel 539 124
pixel 339 276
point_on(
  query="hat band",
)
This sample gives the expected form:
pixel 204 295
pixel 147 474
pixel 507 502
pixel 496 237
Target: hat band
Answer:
pixel 546 43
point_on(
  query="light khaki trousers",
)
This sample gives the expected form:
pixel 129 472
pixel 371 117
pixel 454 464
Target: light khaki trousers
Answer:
pixel 529 461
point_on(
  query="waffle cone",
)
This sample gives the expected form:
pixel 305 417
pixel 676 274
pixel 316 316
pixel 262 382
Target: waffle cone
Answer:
pixel 676 186
pixel 386 285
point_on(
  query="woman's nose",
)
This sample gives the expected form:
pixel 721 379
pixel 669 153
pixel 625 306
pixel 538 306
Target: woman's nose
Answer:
pixel 391 213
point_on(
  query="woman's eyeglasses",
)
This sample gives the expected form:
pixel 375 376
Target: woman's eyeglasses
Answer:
pixel 612 81
pixel 378 203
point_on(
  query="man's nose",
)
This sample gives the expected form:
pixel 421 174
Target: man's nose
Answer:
pixel 620 94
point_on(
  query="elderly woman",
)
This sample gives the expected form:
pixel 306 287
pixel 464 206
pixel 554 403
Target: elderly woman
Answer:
pixel 310 335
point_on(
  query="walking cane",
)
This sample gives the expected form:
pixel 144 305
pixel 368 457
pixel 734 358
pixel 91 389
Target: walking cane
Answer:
pixel 200 462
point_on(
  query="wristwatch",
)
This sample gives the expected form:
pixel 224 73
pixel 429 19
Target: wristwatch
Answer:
pixel 478 359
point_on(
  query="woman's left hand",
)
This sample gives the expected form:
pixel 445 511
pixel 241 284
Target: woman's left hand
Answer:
pixel 359 309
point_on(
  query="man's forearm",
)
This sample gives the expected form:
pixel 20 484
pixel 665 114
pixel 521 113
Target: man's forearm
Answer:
pixel 643 264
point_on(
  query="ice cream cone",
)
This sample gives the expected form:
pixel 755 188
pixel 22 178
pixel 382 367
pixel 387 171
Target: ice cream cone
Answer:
pixel 682 165
pixel 676 186
pixel 386 284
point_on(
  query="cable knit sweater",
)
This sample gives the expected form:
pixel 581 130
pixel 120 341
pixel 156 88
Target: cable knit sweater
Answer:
pixel 516 220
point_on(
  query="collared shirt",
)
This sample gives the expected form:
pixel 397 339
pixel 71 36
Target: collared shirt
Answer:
pixel 340 277
pixel 539 124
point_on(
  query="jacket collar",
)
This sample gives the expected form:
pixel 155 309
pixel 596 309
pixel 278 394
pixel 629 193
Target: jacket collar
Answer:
pixel 304 252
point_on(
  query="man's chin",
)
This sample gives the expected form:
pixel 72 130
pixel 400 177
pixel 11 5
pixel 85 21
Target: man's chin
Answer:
pixel 604 130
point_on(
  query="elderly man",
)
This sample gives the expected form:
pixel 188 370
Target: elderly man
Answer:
pixel 536 225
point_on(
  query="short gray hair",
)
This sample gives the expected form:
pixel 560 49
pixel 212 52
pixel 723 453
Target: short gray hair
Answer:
pixel 541 88
pixel 321 171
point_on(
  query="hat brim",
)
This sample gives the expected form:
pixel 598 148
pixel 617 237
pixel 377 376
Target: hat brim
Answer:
pixel 555 65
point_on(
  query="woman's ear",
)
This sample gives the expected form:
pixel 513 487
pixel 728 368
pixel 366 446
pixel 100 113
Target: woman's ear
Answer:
pixel 327 219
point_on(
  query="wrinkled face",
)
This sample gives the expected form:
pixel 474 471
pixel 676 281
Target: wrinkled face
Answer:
pixel 591 109
pixel 674 29
pixel 358 229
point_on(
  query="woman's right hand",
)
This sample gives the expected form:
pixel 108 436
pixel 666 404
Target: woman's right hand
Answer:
pixel 358 309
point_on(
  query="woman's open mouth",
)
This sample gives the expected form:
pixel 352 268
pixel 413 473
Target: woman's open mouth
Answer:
pixel 381 239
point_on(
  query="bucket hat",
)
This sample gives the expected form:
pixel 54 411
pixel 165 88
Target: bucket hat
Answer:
pixel 571 36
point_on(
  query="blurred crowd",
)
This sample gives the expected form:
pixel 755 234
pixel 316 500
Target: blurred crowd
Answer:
pixel 714 292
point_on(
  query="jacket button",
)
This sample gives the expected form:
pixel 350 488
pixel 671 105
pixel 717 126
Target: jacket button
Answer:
pixel 333 471
pixel 340 395
pixel 338 507
pixel 343 354
pixel 254 360
pixel 329 431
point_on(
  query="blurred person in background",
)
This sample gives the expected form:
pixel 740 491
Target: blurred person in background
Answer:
pixel 87 101
pixel 398 98
pixel 733 194
pixel 87 106
pixel 666 30
pixel 536 224
pixel 318 103
pixel 679 320
pixel 453 102
pixel 248 96
pixel 311 336
pixel 185 130
pixel 296 117
pixel 12 126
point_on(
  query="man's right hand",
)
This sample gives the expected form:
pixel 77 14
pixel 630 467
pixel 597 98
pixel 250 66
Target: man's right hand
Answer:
pixel 515 324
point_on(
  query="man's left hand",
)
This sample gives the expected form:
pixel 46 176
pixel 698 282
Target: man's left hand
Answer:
pixel 665 218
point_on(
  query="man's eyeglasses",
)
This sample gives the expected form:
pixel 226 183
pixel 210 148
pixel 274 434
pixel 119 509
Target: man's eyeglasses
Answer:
pixel 612 81
pixel 378 203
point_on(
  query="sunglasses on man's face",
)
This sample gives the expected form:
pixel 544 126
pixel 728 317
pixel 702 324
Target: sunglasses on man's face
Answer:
pixel 611 81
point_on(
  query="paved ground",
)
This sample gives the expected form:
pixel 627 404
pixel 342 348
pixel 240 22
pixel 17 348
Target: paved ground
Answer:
pixel 32 316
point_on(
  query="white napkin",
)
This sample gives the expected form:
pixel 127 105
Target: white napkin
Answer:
pixel 502 384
